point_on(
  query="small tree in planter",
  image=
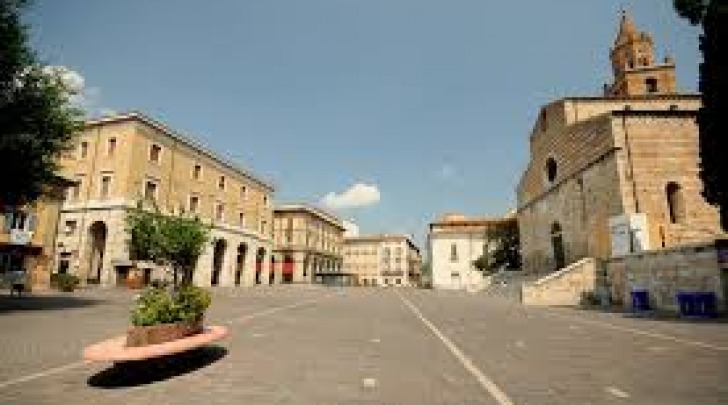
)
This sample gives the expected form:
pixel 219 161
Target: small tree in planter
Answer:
pixel 162 314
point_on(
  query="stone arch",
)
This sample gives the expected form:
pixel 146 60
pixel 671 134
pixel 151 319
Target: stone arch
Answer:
pixel 218 260
pixel 240 263
pixel 289 267
pixel 557 245
pixel 97 234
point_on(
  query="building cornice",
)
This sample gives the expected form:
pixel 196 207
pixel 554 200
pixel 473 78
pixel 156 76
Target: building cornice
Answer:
pixel 318 212
pixel 196 145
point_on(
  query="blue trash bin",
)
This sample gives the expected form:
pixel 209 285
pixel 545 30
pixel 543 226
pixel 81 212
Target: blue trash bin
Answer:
pixel 687 301
pixel 705 305
pixel 640 300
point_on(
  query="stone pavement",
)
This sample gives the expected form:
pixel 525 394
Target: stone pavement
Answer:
pixel 313 345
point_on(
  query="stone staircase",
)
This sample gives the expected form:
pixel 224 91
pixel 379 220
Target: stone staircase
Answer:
pixel 507 285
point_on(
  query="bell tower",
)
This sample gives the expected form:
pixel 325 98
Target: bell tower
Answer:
pixel 633 64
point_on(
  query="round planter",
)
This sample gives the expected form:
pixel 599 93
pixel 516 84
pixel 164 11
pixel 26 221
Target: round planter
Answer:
pixel 166 332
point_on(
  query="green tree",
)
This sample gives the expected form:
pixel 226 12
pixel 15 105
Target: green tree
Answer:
pixel 37 119
pixel 713 85
pixel 167 240
pixel 504 249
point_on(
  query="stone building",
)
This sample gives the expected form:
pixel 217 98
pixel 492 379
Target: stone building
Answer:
pixel 615 174
pixel 308 245
pixel 383 260
pixel 123 159
pixel 28 237
pixel 454 243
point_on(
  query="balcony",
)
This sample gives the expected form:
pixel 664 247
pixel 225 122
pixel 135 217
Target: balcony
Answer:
pixel 392 273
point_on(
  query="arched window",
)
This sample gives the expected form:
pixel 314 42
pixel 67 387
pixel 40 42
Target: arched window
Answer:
pixel 551 169
pixel 675 202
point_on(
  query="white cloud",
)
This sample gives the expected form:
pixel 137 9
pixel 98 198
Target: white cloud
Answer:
pixel 358 195
pixel 350 229
pixel 86 98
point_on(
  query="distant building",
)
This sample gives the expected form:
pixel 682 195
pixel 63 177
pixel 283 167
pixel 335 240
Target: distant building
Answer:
pixel 308 245
pixel 616 174
pixel 383 260
pixel 455 242
pixel 28 237
pixel 123 159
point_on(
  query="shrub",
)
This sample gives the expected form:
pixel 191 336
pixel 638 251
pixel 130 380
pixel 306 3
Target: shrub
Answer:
pixel 65 282
pixel 158 305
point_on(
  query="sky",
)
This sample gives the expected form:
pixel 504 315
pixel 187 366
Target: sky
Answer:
pixel 388 112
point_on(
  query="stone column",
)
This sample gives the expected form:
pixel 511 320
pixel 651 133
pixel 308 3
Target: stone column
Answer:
pixel 248 276
pixel 229 263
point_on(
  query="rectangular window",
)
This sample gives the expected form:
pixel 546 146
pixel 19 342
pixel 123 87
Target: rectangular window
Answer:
pixel 197 172
pixel 265 200
pixel 105 187
pixel 84 149
pixel 69 227
pixel 263 226
pixel 651 85
pixel 453 253
pixel 289 230
pixel 241 220
pixel 220 212
pixel 244 193
pixel 74 192
pixel 111 147
pixel 221 183
pixel 150 190
pixel 194 205
pixel 155 153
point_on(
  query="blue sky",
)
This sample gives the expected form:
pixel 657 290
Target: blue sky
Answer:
pixel 428 102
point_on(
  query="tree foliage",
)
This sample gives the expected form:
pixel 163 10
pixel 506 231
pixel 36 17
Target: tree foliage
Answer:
pixel 37 119
pixel 167 240
pixel 503 250
pixel 712 15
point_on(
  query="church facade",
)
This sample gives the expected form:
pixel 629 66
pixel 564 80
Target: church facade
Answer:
pixel 618 173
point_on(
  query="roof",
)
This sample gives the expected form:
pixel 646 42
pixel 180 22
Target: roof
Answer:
pixel 138 116
pixel 459 221
pixel 319 212
pixel 381 238
pixel 627 30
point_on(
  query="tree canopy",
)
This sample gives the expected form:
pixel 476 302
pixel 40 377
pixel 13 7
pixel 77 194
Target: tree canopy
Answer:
pixel 167 240
pixel 37 119
pixel 503 250
pixel 713 85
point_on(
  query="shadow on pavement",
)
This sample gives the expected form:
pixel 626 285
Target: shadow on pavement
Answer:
pixel 136 373
pixel 43 302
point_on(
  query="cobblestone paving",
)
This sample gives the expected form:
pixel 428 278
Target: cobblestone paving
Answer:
pixel 312 345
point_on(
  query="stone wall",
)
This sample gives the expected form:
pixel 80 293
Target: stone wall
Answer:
pixel 582 206
pixel 664 273
pixel 564 287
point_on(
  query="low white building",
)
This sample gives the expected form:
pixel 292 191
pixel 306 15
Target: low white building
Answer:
pixel 454 243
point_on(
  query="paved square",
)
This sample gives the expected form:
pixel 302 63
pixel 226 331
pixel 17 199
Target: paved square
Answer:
pixel 313 345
